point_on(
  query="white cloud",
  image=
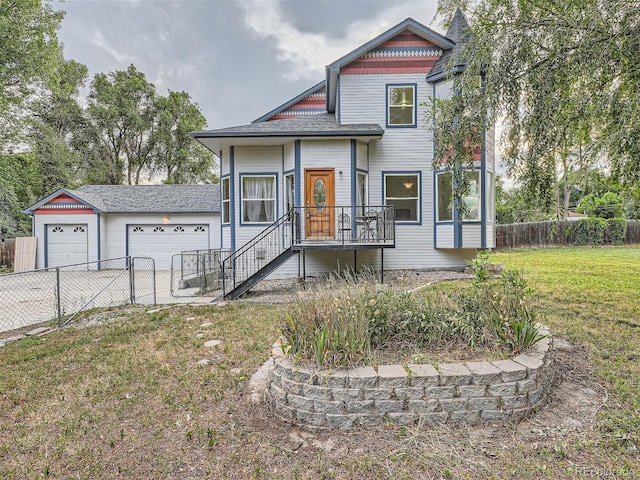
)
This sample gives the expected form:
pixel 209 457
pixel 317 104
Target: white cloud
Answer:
pixel 99 41
pixel 305 54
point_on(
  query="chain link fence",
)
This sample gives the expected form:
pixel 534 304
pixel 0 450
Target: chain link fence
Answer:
pixel 60 294
pixel 197 272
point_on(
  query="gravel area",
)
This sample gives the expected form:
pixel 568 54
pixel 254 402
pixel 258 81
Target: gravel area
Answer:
pixel 287 290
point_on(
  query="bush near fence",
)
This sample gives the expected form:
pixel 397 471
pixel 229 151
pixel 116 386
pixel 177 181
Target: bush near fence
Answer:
pixel 551 233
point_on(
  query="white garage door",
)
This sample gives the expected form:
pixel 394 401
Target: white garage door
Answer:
pixel 160 242
pixel 66 245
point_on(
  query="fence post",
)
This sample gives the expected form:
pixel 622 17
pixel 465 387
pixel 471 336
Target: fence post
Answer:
pixel 59 300
pixel 132 293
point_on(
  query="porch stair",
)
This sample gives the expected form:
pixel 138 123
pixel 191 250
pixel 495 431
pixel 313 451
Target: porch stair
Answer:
pixel 259 257
pixel 260 275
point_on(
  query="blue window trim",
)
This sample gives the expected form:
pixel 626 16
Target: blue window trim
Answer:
pixel 232 193
pixel 276 211
pixel 222 222
pixel 404 172
pixel 455 210
pixel 415 104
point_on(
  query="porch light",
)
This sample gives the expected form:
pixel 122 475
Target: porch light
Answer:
pixel 167 217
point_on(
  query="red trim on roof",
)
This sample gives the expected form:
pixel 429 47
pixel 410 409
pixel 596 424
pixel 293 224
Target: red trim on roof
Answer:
pixel 368 66
pixel 63 211
pixel 407 39
pixel 63 198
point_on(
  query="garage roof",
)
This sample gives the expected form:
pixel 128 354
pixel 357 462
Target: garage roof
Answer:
pixel 143 198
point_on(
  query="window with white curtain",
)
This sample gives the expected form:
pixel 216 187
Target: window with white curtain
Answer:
pixel 258 198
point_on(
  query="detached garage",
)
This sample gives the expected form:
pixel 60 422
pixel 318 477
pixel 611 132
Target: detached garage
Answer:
pixel 98 222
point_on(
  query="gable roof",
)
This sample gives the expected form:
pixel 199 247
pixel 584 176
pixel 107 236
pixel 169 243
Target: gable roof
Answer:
pixel 459 32
pixel 333 70
pixel 142 198
pixel 304 95
pixel 311 126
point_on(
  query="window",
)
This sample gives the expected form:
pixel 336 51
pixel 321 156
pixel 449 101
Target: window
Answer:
pixel 361 193
pixel 403 191
pixel 258 199
pixel 158 229
pixel 178 229
pixel 444 198
pixel 199 229
pixel 226 195
pixel 78 230
pixel 289 192
pixel 57 230
pixel 401 105
pixel 138 229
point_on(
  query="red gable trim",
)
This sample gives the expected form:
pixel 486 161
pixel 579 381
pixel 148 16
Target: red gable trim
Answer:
pixel 63 198
pixel 312 104
pixel 404 53
pixel 63 211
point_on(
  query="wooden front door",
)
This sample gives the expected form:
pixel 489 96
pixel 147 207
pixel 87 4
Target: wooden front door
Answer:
pixel 319 200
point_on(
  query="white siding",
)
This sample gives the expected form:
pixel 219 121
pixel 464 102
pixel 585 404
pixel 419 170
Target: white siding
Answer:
pixel 40 226
pixel 444 237
pixel 115 228
pixel 289 160
pixel 334 154
pixel 362 157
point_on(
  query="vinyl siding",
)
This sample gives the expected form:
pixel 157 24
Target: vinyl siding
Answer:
pixel 362 157
pixel 40 226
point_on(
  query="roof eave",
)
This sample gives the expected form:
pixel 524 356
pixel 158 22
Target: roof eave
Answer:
pixel 31 209
pixel 290 103
pixel 445 73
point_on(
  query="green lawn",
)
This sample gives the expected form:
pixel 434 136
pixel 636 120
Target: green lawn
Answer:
pixel 128 398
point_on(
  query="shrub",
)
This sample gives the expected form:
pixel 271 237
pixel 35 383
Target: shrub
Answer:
pixel 616 231
pixel 590 231
pixel 512 319
pixel 480 266
pixel 343 323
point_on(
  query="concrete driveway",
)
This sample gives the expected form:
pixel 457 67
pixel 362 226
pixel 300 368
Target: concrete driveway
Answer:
pixel 30 298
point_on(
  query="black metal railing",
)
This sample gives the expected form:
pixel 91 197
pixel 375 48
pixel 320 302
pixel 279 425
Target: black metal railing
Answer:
pixel 258 252
pixel 345 225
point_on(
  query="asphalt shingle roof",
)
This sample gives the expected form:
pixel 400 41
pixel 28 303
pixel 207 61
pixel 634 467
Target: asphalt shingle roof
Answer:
pixel 310 126
pixel 151 198
pixel 459 32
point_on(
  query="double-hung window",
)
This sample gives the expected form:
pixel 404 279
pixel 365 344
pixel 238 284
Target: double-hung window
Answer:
pixel 225 200
pixel 258 198
pixel 444 197
pixel 401 105
pixel 403 192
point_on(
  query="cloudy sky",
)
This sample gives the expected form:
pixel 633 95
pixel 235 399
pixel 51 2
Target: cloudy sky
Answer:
pixel 238 59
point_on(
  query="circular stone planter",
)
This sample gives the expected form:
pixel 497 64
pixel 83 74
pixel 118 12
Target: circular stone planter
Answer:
pixel 451 393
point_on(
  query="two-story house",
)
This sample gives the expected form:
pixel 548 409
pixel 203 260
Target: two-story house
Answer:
pixel 341 175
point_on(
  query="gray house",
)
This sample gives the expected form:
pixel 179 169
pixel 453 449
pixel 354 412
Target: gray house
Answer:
pixel 97 222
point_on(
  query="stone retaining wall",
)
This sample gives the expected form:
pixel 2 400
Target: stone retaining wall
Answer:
pixel 467 393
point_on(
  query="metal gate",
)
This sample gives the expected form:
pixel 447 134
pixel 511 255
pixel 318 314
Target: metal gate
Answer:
pixel 197 272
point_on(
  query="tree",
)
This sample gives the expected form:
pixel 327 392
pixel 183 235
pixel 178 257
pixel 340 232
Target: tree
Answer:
pixel 56 125
pixel 177 157
pixel 564 76
pixel 29 51
pixel 19 183
pixel 119 138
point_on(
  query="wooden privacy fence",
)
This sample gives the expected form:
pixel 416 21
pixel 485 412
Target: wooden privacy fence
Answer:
pixel 7 252
pixel 546 234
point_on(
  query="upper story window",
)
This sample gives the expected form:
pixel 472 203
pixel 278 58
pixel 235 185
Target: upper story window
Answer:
pixel 401 105
pixel 258 198
pixel 403 191
pixel 444 197
pixel 225 200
